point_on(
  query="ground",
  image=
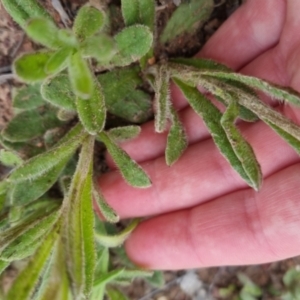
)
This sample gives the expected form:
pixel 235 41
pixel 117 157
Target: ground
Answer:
pixel 199 284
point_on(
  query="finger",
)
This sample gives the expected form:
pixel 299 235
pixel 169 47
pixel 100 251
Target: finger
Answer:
pixel 200 175
pixel 241 228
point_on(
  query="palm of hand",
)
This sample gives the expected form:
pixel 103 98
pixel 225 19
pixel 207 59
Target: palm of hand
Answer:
pixel 203 213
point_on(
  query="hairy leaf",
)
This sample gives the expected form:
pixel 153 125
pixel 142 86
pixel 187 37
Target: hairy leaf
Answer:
pixel 212 118
pixel 118 239
pixel 177 139
pixel 241 147
pixel 277 92
pixel 80 76
pixel 31 189
pixel 3 265
pixel 27 97
pixel 25 244
pixel 187 18
pixel 92 112
pixel 39 165
pixel 44 32
pixel 30 67
pixel 132 43
pixel 79 224
pixel 162 98
pixel 108 277
pixel 58 91
pixel 28 280
pixel 9 158
pixel 100 46
pixel 88 21
pixel 58 61
pixel 130 170
pixel 119 87
pixel 106 210
pixel 120 134
pixel 22 11
pixel 36 124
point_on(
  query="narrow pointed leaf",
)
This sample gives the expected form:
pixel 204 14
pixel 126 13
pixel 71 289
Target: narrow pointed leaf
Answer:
pixel 24 245
pixel 80 76
pixel 108 212
pixel 30 67
pixel 88 21
pixel 107 278
pixel 32 189
pixel 27 97
pixel 58 61
pixel 44 32
pixel 118 239
pixel 241 147
pixel 162 99
pixel 177 140
pixel 100 47
pixel 130 170
pixel 9 158
pixel 92 112
pixel 28 280
pixel 212 118
pixel 130 275
pixel 37 122
pixel 58 91
pixel 22 11
pixel 125 133
pixel 276 92
pixel 39 165
pixel 79 225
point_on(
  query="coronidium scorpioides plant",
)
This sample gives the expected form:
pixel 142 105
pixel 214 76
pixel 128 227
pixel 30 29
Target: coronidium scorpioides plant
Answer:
pixel 63 108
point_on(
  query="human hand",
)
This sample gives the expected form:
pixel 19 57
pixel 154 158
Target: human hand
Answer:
pixel 201 212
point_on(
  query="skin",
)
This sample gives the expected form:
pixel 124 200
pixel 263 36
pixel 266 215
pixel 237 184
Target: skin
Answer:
pixel 200 212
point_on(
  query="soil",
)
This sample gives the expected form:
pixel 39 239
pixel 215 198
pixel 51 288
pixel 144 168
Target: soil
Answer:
pixel 269 276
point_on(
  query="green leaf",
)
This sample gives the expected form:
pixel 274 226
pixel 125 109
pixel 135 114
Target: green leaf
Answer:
pixel 111 241
pixel 177 140
pixel 212 118
pixel 79 224
pixel 32 189
pixel 187 18
pixel 114 294
pixel 133 42
pixel 80 76
pixel 24 245
pixel 162 98
pixel 130 170
pixel 30 67
pixel 92 112
pixel 27 97
pixel 100 47
pixel 37 122
pixel 28 281
pixel 39 165
pixel 125 133
pixel 9 158
pixel 241 147
pixel 88 21
pixel 274 91
pixel 58 61
pixel 108 277
pixel 127 276
pixel 121 86
pixel 57 90
pixel 22 11
pixel 3 265
pixel 106 210
pixel 44 32
pixel 157 279
pixel 139 12
pixel 67 37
